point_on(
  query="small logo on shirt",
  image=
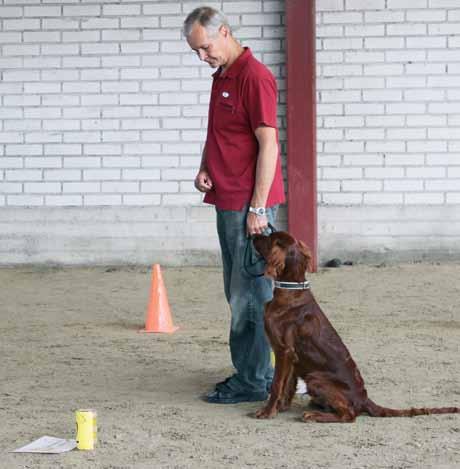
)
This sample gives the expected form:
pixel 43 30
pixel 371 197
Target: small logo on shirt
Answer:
pixel 225 94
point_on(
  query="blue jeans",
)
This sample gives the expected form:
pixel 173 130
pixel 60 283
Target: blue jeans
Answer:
pixel 249 347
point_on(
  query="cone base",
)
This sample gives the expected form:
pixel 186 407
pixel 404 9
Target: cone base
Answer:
pixel 145 331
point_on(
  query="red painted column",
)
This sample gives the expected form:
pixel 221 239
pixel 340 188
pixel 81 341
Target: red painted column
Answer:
pixel 301 122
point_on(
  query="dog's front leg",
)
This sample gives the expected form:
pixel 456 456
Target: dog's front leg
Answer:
pixel 283 370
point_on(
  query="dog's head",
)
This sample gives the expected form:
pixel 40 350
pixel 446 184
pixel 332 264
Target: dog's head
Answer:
pixel 285 256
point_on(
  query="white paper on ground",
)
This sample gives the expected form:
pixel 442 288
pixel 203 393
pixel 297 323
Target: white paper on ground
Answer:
pixel 48 444
pixel 301 387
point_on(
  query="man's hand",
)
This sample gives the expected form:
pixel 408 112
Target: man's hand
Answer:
pixel 203 181
pixel 256 224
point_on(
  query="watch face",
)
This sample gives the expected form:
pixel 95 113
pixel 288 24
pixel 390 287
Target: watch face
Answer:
pixel 258 210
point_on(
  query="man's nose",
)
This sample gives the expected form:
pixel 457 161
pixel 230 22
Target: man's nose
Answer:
pixel 202 54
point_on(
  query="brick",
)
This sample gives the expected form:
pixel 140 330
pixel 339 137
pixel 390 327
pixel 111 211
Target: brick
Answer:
pixel 385 147
pixel 63 200
pixel 424 198
pixel 382 95
pixel 142 22
pixel 43 137
pixel 342 18
pixel 161 9
pixel 81 162
pixel 380 198
pixel 390 69
pixel 21 49
pixel 182 199
pixel 121 35
pixel 21 24
pixel 23 175
pixel 81 36
pixel 10 12
pixel 62 175
pixel 82 10
pixel 385 16
pixel 23 150
pixel 6 162
pixel 343 43
pixel 92 200
pixel 424 95
pixel 59 23
pixel 121 10
pixel 43 36
pixel 406 134
pixel 405 4
pixel 42 11
pixel 384 121
pixel 443 4
pixel 365 30
pixel 142 148
pixel 142 200
pixel 10 187
pixel 342 198
pixel 160 187
pixel 361 186
pixel 404 159
pixel 25 200
pixel 42 187
pixel 100 23
pixel 405 29
pixel 81 187
pixel 427 146
pixel 330 5
pixel 406 56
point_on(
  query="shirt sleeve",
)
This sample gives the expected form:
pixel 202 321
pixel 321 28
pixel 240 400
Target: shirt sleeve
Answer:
pixel 261 97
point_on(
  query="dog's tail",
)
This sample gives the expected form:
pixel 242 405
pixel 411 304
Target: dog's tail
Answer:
pixel 374 410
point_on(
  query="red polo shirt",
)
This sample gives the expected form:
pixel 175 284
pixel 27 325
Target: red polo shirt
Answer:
pixel 241 101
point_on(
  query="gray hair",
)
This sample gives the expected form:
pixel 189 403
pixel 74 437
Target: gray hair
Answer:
pixel 208 17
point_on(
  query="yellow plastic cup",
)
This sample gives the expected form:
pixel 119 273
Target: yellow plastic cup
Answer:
pixel 86 420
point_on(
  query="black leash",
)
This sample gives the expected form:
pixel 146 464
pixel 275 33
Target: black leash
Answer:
pixel 248 263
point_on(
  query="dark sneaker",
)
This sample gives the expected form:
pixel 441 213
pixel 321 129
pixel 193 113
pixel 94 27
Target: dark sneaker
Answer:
pixel 233 397
pixel 223 385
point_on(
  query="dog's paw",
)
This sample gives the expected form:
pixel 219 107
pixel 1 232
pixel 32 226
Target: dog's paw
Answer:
pixel 266 413
pixel 309 416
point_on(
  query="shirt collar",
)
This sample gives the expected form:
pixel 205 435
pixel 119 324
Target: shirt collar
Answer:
pixel 236 66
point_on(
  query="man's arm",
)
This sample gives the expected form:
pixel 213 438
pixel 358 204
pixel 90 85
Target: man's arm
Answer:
pixel 203 181
pixel 265 173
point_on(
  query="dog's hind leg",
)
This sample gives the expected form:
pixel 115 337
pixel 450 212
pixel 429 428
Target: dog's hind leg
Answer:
pixel 329 396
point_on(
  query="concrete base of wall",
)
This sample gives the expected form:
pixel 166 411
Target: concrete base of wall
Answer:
pixel 187 236
pixel 389 234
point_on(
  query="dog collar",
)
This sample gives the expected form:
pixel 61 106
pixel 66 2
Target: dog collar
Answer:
pixel 293 285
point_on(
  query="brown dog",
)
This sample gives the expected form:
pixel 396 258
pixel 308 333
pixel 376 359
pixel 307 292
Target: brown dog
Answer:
pixel 307 346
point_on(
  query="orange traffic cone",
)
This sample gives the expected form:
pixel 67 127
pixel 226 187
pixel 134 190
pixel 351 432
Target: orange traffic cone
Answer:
pixel 158 317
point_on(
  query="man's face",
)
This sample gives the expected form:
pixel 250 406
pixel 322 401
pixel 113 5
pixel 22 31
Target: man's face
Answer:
pixel 209 49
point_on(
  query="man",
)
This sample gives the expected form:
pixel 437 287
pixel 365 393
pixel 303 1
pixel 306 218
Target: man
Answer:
pixel 240 173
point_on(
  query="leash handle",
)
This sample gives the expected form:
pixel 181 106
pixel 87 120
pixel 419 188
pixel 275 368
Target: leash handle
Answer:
pixel 247 260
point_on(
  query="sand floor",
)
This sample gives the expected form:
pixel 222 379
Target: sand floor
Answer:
pixel 69 339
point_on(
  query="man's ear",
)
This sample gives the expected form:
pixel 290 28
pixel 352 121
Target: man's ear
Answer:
pixel 275 262
pixel 305 251
pixel 224 30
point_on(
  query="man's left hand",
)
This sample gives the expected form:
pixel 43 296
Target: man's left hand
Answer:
pixel 256 224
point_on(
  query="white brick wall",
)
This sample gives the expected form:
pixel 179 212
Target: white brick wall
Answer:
pixel 393 94
pixel 395 64
pixel 103 104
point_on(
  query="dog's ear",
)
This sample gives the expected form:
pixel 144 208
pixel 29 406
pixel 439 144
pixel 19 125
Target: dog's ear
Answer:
pixel 306 253
pixel 275 262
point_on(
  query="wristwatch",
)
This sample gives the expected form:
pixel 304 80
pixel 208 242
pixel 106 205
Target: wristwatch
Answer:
pixel 260 211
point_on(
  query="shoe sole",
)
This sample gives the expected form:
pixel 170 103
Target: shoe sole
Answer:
pixel 235 400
